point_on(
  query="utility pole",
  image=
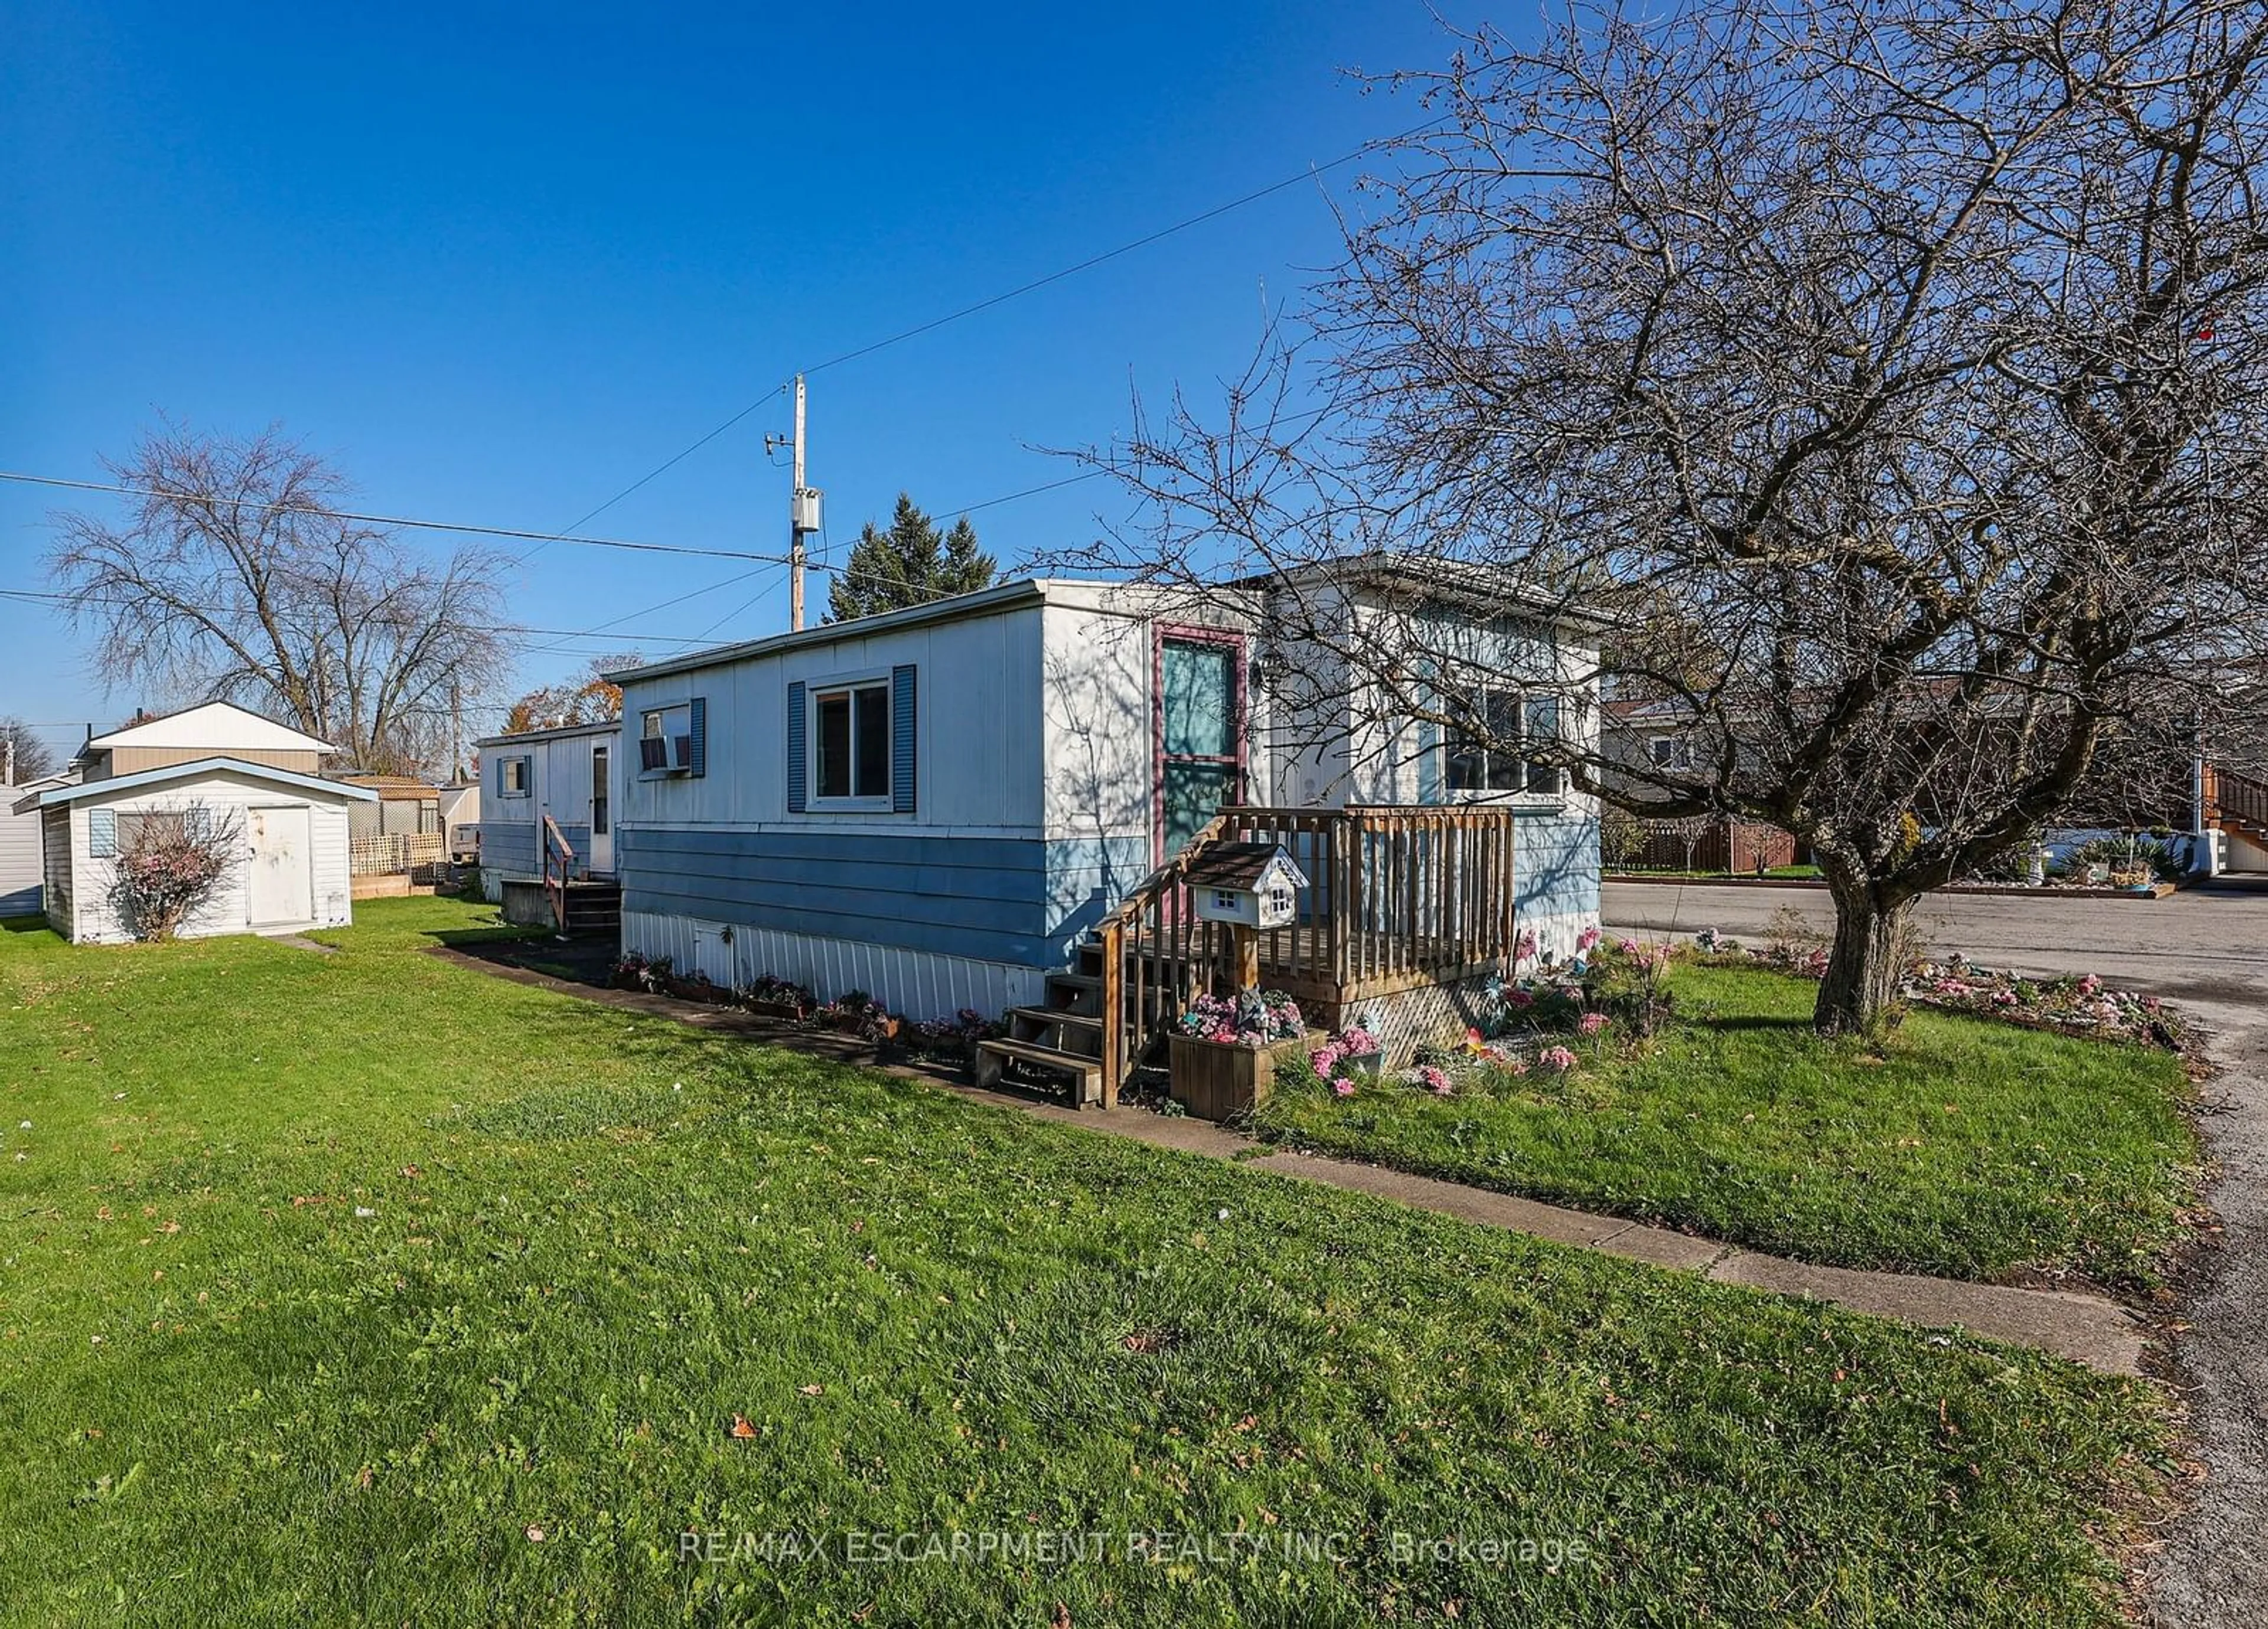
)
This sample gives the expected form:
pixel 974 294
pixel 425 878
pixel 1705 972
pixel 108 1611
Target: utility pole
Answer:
pixel 803 520
pixel 795 554
pixel 802 512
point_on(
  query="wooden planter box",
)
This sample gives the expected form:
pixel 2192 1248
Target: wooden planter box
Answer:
pixel 698 990
pixel 1216 1081
pixel 788 1012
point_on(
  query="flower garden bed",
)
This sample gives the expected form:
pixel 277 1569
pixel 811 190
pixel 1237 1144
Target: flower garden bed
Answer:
pixel 854 1012
pixel 2081 1004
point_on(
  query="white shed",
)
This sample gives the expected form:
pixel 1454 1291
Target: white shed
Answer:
pixel 217 763
pixel 290 869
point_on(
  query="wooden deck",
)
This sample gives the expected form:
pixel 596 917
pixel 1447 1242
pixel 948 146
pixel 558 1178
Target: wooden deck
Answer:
pixel 1396 898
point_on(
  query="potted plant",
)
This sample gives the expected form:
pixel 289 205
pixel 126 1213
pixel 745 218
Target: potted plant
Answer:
pixel 1223 1054
pixel 774 997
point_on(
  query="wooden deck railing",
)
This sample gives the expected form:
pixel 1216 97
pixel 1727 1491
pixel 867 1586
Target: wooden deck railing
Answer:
pixel 558 854
pixel 1393 895
pixel 2230 796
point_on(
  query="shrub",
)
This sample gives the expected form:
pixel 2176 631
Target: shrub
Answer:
pixel 170 864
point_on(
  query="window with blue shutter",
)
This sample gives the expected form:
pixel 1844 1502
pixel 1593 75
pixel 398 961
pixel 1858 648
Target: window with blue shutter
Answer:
pixel 797 758
pixel 102 833
pixel 901 739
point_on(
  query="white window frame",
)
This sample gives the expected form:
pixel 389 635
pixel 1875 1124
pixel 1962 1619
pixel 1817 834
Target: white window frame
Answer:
pixel 682 710
pixel 1673 753
pixel 526 764
pixel 1523 698
pixel 836 684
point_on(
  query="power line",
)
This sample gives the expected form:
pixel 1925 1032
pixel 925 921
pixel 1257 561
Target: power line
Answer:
pixel 404 521
pixel 36 597
pixel 1002 298
pixel 1093 261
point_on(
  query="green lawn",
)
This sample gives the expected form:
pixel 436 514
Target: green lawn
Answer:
pixel 363 1288
pixel 1966 1147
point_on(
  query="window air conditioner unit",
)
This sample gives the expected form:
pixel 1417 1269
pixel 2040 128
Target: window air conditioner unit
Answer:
pixel 653 752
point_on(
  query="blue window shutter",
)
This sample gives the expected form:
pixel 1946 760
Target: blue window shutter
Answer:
pixel 901 739
pixel 102 833
pixel 698 725
pixel 798 765
pixel 1429 743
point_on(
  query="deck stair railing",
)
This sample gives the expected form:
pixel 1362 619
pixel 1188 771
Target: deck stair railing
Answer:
pixel 558 868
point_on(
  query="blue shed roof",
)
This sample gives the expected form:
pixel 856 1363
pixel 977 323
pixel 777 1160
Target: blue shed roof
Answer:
pixel 85 790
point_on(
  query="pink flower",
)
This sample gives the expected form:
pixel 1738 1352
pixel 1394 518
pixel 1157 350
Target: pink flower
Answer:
pixel 1557 1057
pixel 2089 983
pixel 1628 947
pixel 1326 1057
pixel 1585 939
pixel 1524 946
pixel 1344 1087
pixel 1591 1023
pixel 1438 1079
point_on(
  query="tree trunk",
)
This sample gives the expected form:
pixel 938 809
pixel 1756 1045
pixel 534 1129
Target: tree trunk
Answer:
pixel 1864 967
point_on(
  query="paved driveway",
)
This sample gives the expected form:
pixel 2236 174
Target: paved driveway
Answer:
pixel 2208 949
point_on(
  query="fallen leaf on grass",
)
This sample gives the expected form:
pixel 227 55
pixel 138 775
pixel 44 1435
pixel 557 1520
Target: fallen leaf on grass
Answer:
pixel 813 1390
pixel 741 1428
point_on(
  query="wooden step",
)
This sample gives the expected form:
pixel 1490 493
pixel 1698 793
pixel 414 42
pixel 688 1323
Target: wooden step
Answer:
pixel 993 1057
pixel 1078 1033
pixel 1075 993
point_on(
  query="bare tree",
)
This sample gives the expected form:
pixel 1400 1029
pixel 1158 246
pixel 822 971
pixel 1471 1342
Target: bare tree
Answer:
pixel 236 577
pixel 1895 372
pixel 24 757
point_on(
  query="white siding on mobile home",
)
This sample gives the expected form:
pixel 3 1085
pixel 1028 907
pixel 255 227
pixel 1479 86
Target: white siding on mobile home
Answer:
pixel 555 772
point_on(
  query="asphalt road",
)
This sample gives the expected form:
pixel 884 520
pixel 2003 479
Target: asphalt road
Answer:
pixel 2208 949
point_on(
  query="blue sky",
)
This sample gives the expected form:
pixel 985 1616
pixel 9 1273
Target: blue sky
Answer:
pixel 499 264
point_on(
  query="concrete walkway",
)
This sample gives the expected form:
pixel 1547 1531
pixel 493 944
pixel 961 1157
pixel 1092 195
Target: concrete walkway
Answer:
pixel 2087 1329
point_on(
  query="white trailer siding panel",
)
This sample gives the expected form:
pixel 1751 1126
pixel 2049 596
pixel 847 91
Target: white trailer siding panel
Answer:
pixel 21 866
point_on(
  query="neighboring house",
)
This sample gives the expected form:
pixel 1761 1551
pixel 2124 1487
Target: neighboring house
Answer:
pixel 938 805
pixel 2157 785
pixel 20 847
pixel 574 775
pixel 214 763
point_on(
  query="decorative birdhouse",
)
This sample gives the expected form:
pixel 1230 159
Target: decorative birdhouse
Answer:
pixel 1253 885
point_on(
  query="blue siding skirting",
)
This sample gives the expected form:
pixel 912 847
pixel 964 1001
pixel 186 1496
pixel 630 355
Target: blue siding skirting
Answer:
pixel 512 849
pixel 1015 900
pixel 1555 866
pixel 508 847
pixel 23 902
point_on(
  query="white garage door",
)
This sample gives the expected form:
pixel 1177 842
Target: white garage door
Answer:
pixel 280 887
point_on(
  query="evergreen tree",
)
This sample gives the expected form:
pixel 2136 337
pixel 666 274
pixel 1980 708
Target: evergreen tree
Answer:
pixel 912 564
